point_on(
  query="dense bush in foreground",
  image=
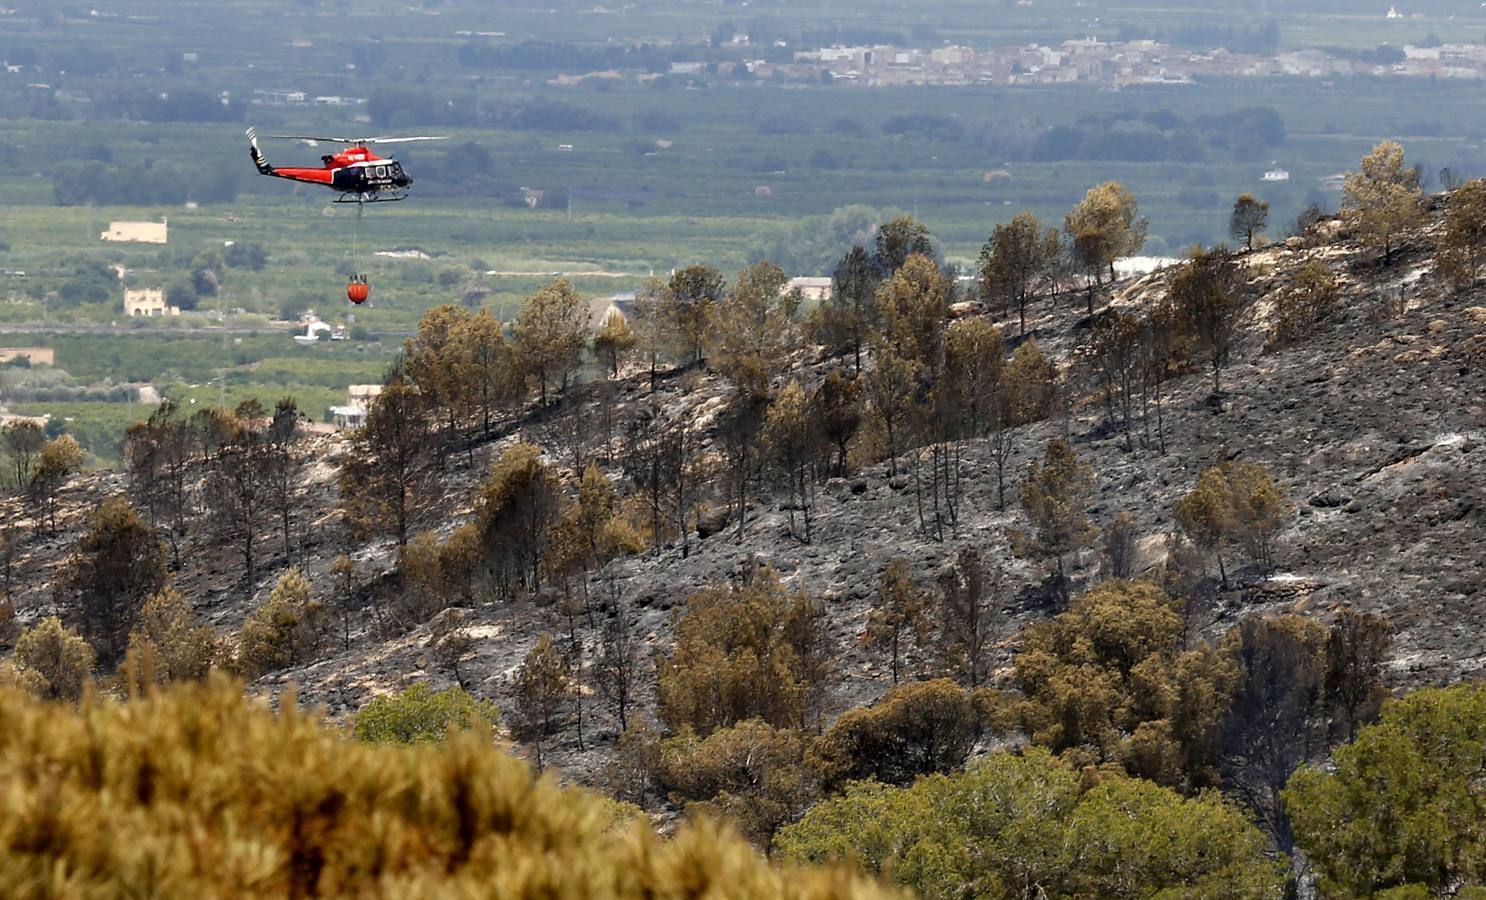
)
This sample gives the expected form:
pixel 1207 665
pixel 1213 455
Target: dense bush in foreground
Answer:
pixel 1403 810
pixel 216 796
pixel 1028 826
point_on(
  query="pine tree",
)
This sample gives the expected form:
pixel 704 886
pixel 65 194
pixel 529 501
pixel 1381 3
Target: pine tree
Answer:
pixel 1204 293
pixel 1106 219
pixel 119 563
pixel 751 328
pixel 490 365
pixel 1397 812
pixel 1357 647
pixel 516 510
pixel 1302 304
pixel 974 366
pixel 544 687
pixel 791 445
pixel 1205 515
pixel 897 241
pixel 739 428
pixel 913 311
pixel 435 360
pixel 1382 199
pixel 170 644
pixel 1117 557
pixel 1234 503
pixel 1276 718
pixel 1461 248
pixel 24 439
pixel 1249 219
pixel 613 342
pixel 238 490
pixel 1055 494
pixel 1018 264
pixel 58 460
pixel 1116 351
pixel 549 333
pixel 969 604
pixel 382 482
pixel 343 571
pixel 917 729
pixel 284 465
pixel 686 303
pixel 617 668
pixel 836 413
pixel 750 649
pixel 898 620
pixel 850 315
pixel 890 387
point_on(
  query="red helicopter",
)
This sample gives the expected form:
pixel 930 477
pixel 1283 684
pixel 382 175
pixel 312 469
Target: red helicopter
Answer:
pixel 360 175
pixel 357 173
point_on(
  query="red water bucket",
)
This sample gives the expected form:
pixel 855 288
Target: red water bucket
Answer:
pixel 357 290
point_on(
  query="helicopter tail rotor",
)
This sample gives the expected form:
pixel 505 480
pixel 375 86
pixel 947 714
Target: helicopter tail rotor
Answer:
pixel 258 158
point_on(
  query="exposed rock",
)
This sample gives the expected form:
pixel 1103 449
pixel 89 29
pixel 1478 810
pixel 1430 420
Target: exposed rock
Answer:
pixel 1329 498
pixel 712 521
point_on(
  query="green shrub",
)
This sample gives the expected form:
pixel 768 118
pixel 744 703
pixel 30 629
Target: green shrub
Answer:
pixel 751 775
pixel 745 650
pixel 420 716
pixel 1301 305
pixel 52 662
pixel 1403 805
pixel 917 729
pixel 1024 825
pixel 285 631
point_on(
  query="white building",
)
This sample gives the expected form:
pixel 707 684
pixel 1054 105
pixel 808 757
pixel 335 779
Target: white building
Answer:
pixel 359 398
pixel 362 394
pixel 312 332
pixel 148 303
pixel 810 287
pixel 278 98
pixel 603 309
pixel 348 416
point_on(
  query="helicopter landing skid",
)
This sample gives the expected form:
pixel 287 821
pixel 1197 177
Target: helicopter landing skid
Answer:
pixel 369 198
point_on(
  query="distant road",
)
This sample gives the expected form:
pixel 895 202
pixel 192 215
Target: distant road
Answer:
pixel 40 328
pixel 555 274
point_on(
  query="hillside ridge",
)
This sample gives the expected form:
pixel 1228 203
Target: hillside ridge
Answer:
pixel 1373 427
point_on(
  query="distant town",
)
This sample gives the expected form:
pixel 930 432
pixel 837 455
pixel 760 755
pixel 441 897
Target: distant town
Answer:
pixel 1115 64
pixel 1090 61
pixel 1087 61
pixel 1110 64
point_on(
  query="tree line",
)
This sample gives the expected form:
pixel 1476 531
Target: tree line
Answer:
pixel 918 379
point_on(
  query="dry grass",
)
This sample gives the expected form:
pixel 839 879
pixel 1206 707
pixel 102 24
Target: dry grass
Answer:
pixel 195 792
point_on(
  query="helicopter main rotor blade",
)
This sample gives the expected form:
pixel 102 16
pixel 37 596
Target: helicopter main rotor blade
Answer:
pixel 345 140
pixel 404 140
pixel 311 137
